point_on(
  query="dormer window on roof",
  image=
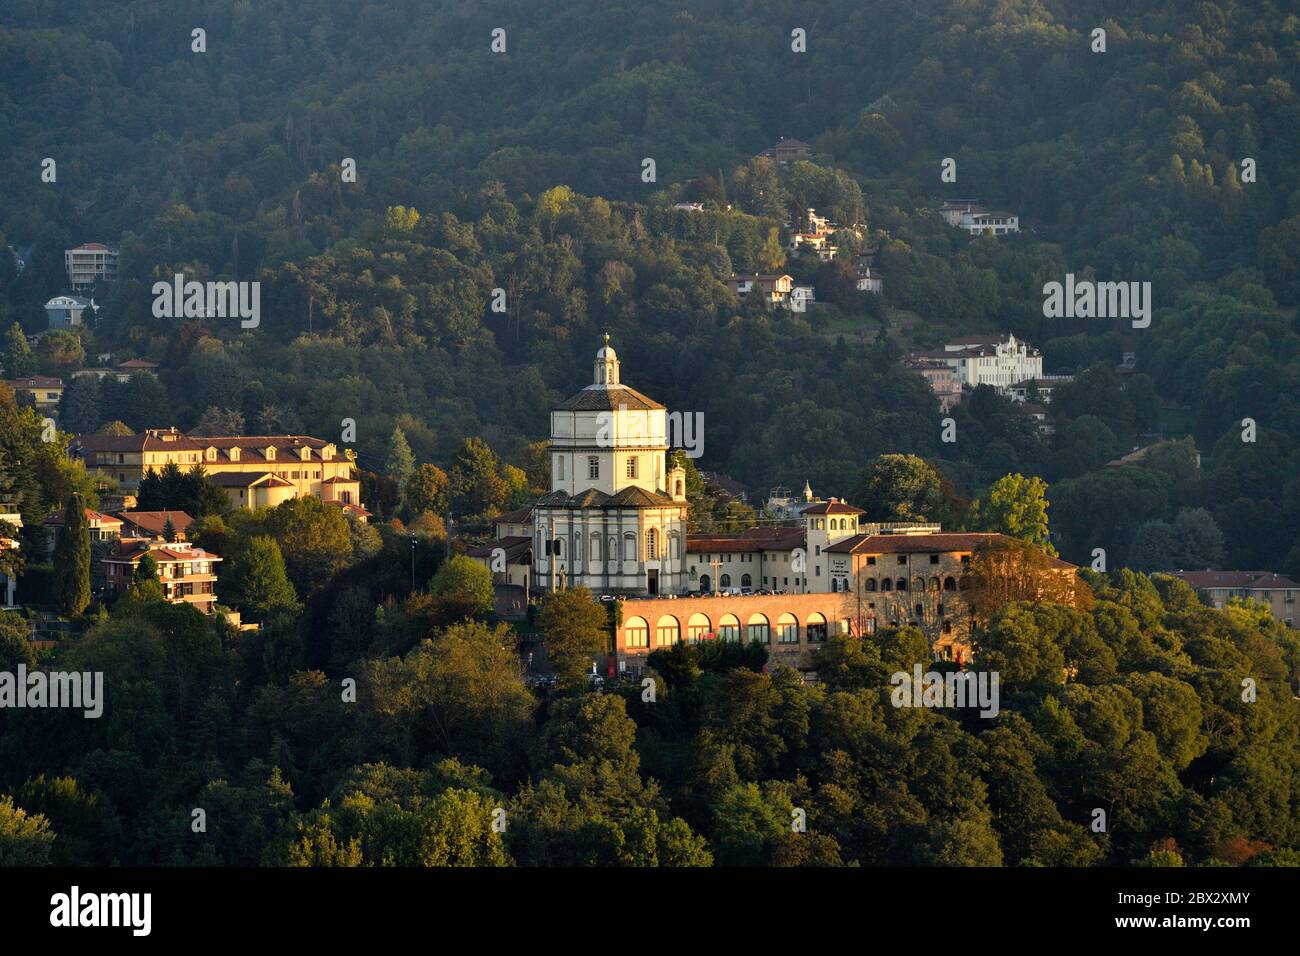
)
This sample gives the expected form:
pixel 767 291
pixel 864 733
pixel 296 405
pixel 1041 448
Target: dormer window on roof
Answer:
pixel 270 453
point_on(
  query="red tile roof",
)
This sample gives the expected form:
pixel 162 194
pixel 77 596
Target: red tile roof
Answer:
pixel 923 544
pixel 252 447
pixel 597 398
pixel 832 507
pixel 55 518
pixel 34 381
pixel 752 539
pixel 130 552
pixel 152 523
pixel 1241 580
pixel 360 511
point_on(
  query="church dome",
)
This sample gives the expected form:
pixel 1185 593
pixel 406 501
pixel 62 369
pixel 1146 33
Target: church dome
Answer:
pixel 606 365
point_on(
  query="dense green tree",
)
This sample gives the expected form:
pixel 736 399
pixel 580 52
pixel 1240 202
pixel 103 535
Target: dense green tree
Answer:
pixel 72 558
pixel 427 490
pixel 314 539
pixel 15 644
pixel 80 409
pixel 476 484
pixel 575 629
pixel 257 582
pixel 25 839
pixel 400 463
pixel 19 360
pixel 145 586
pixel 1016 506
pixel 903 488
pixel 463 588
pixel 60 352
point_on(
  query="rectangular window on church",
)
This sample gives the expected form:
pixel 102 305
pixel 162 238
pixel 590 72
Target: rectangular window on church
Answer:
pixel 593 467
pixel 631 467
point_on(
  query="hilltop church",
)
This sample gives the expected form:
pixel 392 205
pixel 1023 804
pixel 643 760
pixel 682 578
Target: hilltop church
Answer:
pixel 615 518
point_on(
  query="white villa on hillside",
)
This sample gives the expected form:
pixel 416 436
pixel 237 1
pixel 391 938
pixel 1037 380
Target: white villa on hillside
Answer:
pixel 977 220
pixel 987 360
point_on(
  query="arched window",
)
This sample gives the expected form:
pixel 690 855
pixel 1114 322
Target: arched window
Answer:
pixel 595 546
pixel 724 581
pixel 577 546
pixel 816 628
pixel 901 584
pixel 636 633
pixel 612 553
pixel 697 627
pixel 729 628
pixel 746 581
pixel 629 547
pixel 787 629
pixel 667 632
pixel 949 584
pixel 886 584
pixel 918 584
pixel 759 629
pixel 871 584
pixel 652 544
pixel 706 584
pixel 681 488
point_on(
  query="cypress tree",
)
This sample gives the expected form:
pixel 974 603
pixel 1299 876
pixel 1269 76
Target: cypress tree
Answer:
pixel 72 559
pixel 401 463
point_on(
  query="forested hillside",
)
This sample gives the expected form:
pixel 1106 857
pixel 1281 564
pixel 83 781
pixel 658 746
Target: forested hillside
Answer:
pixel 522 171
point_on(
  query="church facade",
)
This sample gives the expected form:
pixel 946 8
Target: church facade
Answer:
pixel 615 518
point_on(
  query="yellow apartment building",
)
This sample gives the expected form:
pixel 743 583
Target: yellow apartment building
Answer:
pixel 256 471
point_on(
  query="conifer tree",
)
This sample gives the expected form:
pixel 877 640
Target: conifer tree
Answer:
pixel 401 463
pixel 19 358
pixel 72 559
